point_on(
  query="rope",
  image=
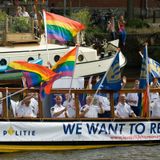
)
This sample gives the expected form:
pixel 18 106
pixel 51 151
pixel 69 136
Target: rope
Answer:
pixel 13 94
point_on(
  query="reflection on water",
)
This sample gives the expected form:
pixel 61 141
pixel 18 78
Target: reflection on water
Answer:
pixel 120 153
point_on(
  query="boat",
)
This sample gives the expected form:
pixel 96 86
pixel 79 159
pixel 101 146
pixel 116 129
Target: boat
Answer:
pixel 46 133
pixel 27 46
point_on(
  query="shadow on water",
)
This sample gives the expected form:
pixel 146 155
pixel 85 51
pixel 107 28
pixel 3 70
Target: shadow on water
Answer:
pixel 137 152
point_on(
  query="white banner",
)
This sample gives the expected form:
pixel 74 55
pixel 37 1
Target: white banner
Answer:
pixel 79 131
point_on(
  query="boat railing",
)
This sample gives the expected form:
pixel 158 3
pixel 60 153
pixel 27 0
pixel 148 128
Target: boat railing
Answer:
pixel 16 94
pixel 18 30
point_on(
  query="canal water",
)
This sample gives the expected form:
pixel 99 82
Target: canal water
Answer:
pixel 115 153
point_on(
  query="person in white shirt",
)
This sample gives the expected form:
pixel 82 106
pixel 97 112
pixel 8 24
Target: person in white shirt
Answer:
pixel 123 110
pixel 106 106
pixel 154 96
pixel 70 104
pixel 24 12
pixel 89 110
pixel 156 109
pixel 1 108
pixel 25 108
pixel 58 110
pixel 133 98
pixel 1 105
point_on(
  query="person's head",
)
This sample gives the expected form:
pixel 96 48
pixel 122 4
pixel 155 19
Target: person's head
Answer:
pixel 122 98
pixel 27 100
pixel 23 8
pixel 155 82
pixel 136 84
pixel 121 17
pixel 58 99
pixel 89 100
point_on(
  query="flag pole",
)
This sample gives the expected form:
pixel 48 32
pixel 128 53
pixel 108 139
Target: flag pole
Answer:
pixel 118 50
pixel 147 79
pixel 45 29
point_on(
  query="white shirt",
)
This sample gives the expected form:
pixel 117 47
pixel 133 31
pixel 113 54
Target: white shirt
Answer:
pixel 105 102
pixel 25 14
pixel 154 96
pixel 56 109
pixel 71 108
pixel 92 112
pixel 24 111
pixel 132 97
pixel 156 109
pixel 34 105
pixel 123 111
pixel 1 109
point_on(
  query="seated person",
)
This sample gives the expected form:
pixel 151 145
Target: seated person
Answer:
pixel 89 110
pixel 25 108
pixel 156 109
pixel 123 110
pixel 106 106
pixel 58 110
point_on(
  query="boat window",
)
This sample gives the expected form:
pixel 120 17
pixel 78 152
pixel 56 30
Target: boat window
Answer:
pixel 56 58
pixel 30 59
pixel 80 57
pixel 3 62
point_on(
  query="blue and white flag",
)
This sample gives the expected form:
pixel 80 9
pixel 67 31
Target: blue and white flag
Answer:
pixel 154 68
pixel 112 80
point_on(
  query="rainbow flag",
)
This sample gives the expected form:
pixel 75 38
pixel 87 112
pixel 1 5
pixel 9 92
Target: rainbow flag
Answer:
pixel 144 83
pixel 64 67
pixel 61 28
pixel 66 64
pixel 32 79
pixel 45 73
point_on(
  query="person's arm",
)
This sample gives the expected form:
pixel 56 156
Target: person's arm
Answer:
pixel 133 115
pixel 101 109
pixel 84 111
pixel 26 99
pixel 56 114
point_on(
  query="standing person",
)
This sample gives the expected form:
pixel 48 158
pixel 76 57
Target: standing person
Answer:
pixel 154 96
pixel 123 110
pixel 133 98
pixel 111 27
pixel 58 110
pixel 89 110
pixel 25 108
pixel 121 30
pixel 19 11
pixel 70 104
pixel 24 12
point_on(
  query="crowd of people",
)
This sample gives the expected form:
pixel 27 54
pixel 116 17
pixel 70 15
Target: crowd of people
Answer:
pixel 95 106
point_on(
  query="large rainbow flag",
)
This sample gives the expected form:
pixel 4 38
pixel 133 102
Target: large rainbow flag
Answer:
pixel 66 64
pixel 61 28
pixel 64 67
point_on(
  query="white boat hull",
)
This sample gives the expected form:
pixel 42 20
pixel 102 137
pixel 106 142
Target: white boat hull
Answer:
pixel 75 134
pixel 88 64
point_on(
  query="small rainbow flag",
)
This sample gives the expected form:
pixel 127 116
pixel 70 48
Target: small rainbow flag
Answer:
pixel 66 64
pixel 43 71
pixel 61 28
